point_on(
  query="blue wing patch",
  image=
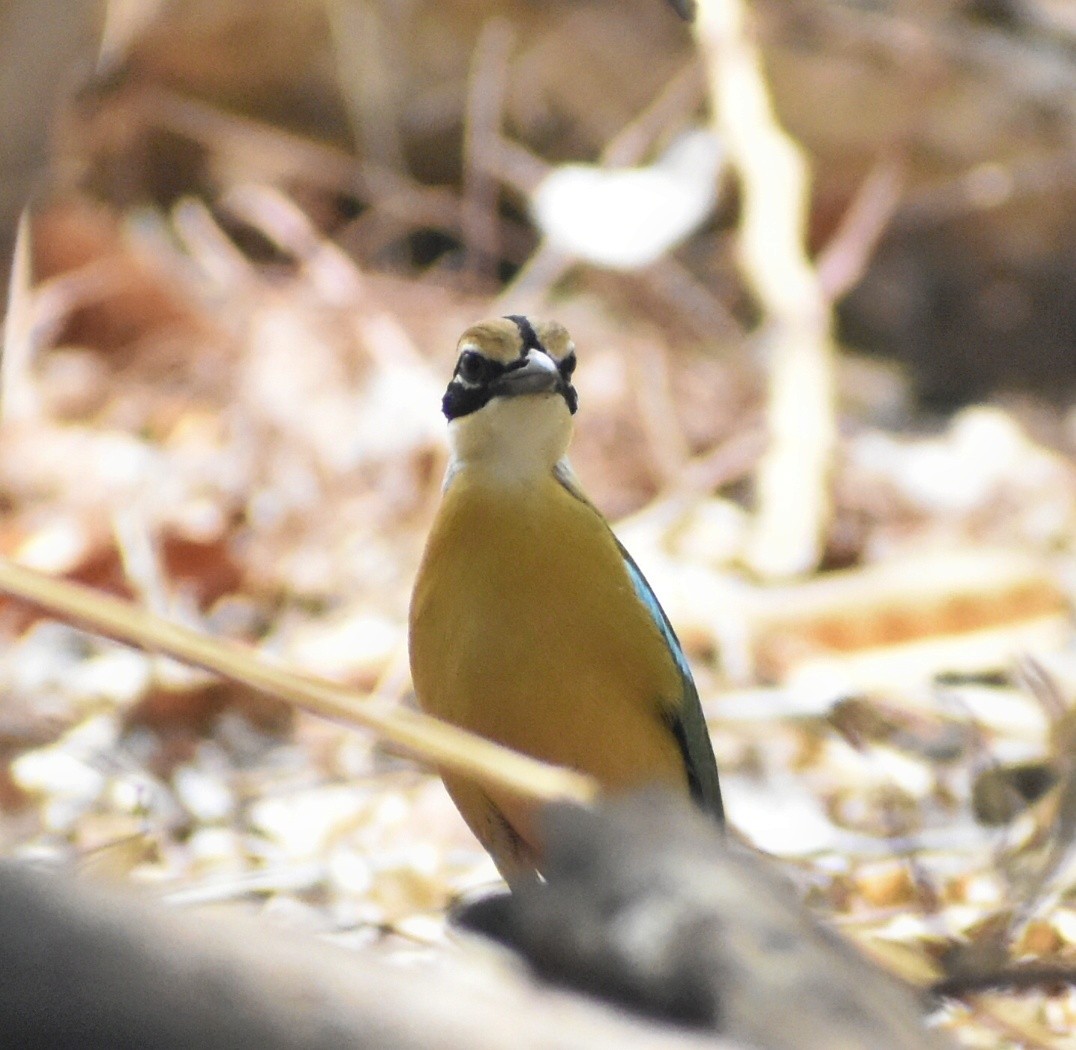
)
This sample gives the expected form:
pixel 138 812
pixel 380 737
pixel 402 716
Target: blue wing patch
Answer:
pixel 645 594
pixel 683 713
pixel 686 721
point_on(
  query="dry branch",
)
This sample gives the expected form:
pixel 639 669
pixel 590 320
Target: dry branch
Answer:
pixel 482 130
pixel 418 735
pixel 18 397
pixel 792 486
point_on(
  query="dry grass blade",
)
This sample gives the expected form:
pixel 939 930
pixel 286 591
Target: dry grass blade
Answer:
pixel 419 736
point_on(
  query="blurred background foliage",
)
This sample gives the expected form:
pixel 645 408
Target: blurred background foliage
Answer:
pixel 257 230
pixel 971 284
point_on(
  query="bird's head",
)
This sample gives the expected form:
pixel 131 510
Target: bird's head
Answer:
pixel 510 400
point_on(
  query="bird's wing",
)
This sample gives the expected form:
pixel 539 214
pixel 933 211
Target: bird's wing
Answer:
pixel 685 719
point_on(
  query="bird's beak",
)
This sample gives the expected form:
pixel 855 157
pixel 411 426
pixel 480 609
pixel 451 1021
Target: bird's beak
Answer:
pixel 535 375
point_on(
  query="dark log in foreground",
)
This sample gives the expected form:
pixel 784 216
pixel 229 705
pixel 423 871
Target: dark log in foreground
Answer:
pixel 89 968
pixel 647 904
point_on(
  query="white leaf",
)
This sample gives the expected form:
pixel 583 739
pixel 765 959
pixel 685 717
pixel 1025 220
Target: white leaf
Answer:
pixel 626 218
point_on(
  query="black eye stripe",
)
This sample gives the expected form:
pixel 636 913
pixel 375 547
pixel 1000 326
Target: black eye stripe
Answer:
pixel 473 382
pixel 462 400
pixel 475 369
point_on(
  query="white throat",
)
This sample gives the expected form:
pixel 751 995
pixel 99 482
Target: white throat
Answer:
pixel 511 441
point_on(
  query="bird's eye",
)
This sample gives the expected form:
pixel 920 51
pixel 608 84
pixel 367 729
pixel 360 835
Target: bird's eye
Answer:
pixel 567 366
pixel 472 367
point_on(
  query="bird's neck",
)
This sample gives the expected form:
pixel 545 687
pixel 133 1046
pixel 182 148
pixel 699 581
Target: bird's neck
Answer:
pixel 517 442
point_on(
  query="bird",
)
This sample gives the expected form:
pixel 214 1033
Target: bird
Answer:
pixel 530 624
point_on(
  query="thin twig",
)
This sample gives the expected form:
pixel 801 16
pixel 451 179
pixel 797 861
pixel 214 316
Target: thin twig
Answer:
pixel 124 23
pixel 843 262
pixel 530 287
pixel 277 154
pixel 426 739
pixel 18 393
pixel 696 304
pixel 362 49
pixel 676 101
pixel 487 85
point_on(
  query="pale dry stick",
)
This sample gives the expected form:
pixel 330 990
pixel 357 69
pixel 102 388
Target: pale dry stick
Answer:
pixel 676 101
pixel 1013 1021
pixel 1038 869
pixel 420 736
pixel 141 556
pixel 843 262
pixel 203 239
pixel 275 214
pixel 279 155
pixel 1053 696
pixel 19 400
pixel 730 461
pixel 362 45
pixel 529 290
pixel 124 23
pixel 725 463
pixel 35 315
pixel 696 304
pixel 143 567
pixel 517 167
pixel 327 268
pixel 793 479
pixel 486 89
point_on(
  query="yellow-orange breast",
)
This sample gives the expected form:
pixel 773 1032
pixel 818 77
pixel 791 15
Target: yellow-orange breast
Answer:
pixel 526 629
